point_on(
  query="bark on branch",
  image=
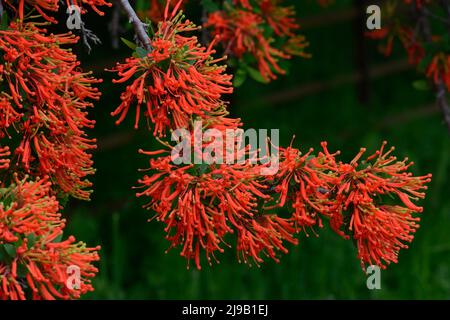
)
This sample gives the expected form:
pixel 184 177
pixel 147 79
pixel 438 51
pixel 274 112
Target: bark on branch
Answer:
pixel 138 25
pixel 441 90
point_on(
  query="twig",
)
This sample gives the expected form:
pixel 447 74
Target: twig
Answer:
pixel 114 25
pixel 88 37
pixel 205 34
pixel 137 24
pixel 441 90
pixel 442 102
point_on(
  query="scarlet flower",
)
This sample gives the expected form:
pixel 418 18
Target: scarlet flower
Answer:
pixel 176 81
pixel 418 3
pixel 303 181
pixel 439 69
pixel 240 32
pixel 281 19
pixel 244 3
pixel 380 231
pixel 41 6
pixel 4 161
pixel 201 203
pixel 413 48
pixel 155 10
pixel 33 262
pixel 44 100
pixel 264 234
pixel 242 29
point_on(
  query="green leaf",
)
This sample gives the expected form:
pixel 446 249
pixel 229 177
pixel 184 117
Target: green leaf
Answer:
pixel 210 5
pixel 22 270
pixel 10 249
pixel 129 44
pixel 5 21
pixel 31 240
pixel 239 77
pixel 421 85
pixel 58 238
pixel 256 75
pixel 141 52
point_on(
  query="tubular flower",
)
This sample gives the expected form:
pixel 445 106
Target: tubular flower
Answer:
pixel 240 32
pixel 412 46
pixel 379 230
pixel 264 234
pixel 439 69
pixel 304 182
pixel 44 102
pixel 281 19
pixel 43 6
pixel 176 81
pixel 154 11
pixel 418 3
pixel 200 204
pixel 34 263
pixel 243 30
pixel 4 161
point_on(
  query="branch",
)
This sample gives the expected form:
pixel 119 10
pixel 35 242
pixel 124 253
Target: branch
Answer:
pixel 441 90
pixel 137 24
pixel 442 102
pixel 114 25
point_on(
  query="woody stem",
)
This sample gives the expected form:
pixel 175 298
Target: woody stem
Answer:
pixel 441 90
pixel 137 24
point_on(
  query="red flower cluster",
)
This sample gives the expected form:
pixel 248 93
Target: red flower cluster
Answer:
pixel 439 69
pixel 34 263
pixel 423 47
pixel 44 103
pixel 154 10
pixel 379 230
pixel 41 6
pixel 176 81
pixel 202 204
pixel 243 30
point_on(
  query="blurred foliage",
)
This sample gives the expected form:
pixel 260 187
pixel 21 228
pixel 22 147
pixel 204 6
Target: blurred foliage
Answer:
pixel 134 264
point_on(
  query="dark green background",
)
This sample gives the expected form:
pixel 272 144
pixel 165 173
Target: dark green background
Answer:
pixel 133 261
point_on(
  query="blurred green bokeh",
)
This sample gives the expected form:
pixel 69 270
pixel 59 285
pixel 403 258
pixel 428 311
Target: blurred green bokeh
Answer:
pixel 133 260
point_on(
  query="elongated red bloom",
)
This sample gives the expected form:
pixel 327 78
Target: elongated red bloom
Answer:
pixel 304 182
pixel 203 203
pixel 380 230
pixel 200 204
pixel 34 263
pixel 22 7
pixel 44 102
pixel 175 82
pixel 242 30
pixel 439 69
